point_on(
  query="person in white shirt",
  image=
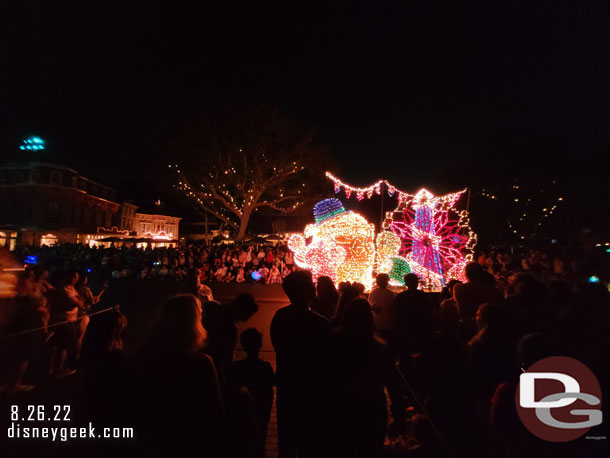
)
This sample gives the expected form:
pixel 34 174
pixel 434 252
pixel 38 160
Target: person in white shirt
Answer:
pixel 244 257
pixel 381 300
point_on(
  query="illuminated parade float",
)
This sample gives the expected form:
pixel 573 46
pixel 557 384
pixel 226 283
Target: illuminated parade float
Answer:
pixel 425 234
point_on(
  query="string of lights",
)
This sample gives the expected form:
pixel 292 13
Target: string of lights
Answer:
pixel 232 189
pixel 527 207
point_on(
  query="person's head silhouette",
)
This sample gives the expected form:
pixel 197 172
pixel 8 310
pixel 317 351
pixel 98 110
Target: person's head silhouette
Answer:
pixel 179 325
pixel 411 281
pixel 251 341
pixel 382 280
pixel 299 288
pixel 357 319
pixel 243 307
pixel 473 271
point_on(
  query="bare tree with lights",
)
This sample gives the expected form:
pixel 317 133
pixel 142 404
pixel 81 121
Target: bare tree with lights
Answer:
pixel 236 162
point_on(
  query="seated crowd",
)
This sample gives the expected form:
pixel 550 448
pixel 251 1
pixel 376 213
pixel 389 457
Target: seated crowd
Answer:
pixel 238 263
pixel 447 363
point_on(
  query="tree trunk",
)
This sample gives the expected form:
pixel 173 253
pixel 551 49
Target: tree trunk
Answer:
pixel 243 224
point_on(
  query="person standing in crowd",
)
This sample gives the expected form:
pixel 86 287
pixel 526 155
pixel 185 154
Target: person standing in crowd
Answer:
pixel 414 319
pixel 448 316
pixel 176 381
pixel 105 366
pixel 41 281
pixel 84 292
pixel 362 368
pixel 257 376
pixel 220 322
pixel 325 302
pixel 382 301
pixel 66 308
pixel 300 338
pixel 476 291
pixel 16 352
pixel 348 292
pixel 490 354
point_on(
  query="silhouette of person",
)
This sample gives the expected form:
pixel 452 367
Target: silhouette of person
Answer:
pixel 257 376
pixel 327 298
pixel 178 406
pixel 476 291
pixel 361 368
pixel 220 321
pixel 414 317
pixel 300 339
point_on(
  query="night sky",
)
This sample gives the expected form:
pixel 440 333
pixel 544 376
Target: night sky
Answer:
pixel 422 93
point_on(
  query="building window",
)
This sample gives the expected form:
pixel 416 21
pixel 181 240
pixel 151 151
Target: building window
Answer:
pixel 55 177
pixel 8 240
pixel 48 240
pixel 18 177
pixel 34 176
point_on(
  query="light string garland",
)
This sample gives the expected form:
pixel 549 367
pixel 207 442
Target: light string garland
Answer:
pixel 360 193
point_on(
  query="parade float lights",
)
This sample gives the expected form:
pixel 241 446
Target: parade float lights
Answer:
pixel 436 238
pixel 425 235
pixel 342 245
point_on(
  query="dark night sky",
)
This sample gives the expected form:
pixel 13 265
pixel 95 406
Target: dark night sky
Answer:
pixel 423 93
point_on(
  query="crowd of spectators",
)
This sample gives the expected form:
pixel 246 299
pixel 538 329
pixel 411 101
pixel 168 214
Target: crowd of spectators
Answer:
pixel 447 363
pixel 222 263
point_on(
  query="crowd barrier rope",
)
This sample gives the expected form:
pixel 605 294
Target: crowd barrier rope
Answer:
pixel 50 326
pixel 424 411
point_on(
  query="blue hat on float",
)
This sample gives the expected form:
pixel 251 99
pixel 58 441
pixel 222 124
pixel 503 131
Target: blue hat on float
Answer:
pixel 327 208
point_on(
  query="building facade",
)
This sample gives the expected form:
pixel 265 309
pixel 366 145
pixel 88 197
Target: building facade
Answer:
pixel 160 227
pixel 44 204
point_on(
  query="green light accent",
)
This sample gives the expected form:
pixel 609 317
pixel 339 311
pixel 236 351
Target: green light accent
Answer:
pixel 400 268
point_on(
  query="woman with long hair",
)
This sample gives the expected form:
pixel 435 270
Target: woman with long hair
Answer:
pixel 177 385
pixel 326 298
pixel 348 293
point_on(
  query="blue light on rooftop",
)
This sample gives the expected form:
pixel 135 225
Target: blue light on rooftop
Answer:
pixel 33 144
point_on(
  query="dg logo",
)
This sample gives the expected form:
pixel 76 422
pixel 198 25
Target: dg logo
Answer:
pixel 559 399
